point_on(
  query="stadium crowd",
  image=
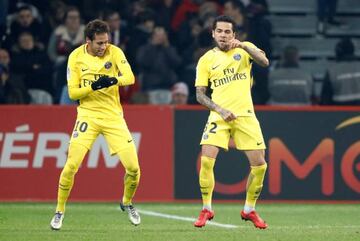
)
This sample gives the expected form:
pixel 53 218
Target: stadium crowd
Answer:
pixel 162 40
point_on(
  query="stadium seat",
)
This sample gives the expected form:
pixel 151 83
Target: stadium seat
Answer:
pixel 348 7
pixel 350 29
pixel 317 68
pixel 308 47
pixel 290 86
pixel 292 6
pixel 158 97
pixel 293 25
pixel 41 97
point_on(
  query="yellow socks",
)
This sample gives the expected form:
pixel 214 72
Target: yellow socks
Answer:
pixel 75 157
pixel 207 180
pixel 254 184
pixel 129 159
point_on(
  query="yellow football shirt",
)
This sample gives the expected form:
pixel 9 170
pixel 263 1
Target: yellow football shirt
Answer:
pixel 83 69
pixel 229 76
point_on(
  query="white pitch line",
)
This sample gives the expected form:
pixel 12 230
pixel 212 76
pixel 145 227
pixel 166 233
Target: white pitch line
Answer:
pixel 162 215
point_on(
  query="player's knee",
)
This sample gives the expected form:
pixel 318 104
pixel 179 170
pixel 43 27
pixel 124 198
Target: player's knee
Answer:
pixel 207 163
pixel 70 169
pixel 204 182
pixel 133 170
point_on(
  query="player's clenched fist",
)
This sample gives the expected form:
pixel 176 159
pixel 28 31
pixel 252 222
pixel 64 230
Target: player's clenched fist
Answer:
pixel 235 43
pixel 104 82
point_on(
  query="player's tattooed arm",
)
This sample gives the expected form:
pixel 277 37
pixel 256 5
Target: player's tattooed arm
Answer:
pixel 258 56
pixel 203 99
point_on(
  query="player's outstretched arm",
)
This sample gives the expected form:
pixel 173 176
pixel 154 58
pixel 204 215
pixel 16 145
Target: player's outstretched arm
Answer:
pixel 203 99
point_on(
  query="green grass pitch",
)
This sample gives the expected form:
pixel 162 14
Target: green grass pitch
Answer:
pixel 105 221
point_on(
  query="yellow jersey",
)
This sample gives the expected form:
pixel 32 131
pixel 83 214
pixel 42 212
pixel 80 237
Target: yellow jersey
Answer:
pixel 230 78
pixel 83 69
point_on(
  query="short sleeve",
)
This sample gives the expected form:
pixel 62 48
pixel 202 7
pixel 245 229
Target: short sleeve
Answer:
pixel 202 73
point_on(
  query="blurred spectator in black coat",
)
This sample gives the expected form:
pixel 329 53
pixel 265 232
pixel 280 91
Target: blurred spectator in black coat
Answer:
pixel 342 82
pixel 10 91
pixel 32 62
pixel 236 10
pixel 53 17
pixel 118 29
pixel 139 36
pixel 25 22
pixel 158 61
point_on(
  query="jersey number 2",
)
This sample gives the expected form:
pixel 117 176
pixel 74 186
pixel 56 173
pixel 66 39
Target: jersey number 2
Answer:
pixel 213 128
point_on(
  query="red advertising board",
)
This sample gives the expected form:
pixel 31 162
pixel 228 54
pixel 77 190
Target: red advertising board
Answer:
pixel 33 149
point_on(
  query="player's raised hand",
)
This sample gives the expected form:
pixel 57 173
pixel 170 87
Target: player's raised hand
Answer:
pixel 104 82
pixel 227 115
pixel 235 43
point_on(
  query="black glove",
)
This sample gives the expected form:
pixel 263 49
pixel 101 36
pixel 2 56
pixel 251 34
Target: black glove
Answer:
pixel 104 82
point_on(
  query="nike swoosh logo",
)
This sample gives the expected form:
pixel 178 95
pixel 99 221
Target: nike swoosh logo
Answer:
pixel 214 67
pixel 129 141
pixel 258 143
pixel 83 70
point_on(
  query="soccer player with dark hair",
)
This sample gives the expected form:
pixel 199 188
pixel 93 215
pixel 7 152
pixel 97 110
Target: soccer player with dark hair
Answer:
pixel 95 71
pixel 227 69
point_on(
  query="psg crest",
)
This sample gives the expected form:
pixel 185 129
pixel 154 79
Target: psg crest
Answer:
pixel 108 65
pixel 237 57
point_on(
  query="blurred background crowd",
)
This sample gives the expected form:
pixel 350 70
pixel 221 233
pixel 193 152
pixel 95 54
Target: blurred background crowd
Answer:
pixel 312 45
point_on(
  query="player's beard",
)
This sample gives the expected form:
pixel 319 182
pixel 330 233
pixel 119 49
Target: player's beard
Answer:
pixel 223 46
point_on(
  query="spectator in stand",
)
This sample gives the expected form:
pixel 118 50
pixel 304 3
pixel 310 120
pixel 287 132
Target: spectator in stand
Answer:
pixel 201 45
pixel 189 30
pixel 185 9
pixel 118 34
pixel 4 6
pixel 24 22
pixel 10 92
pixel 236 10
pixel 342 83
pixel 259 33
pixel 32 62
pixel 289 84
pixel 179 94
pixel 134 12
pixel 139 36
pixel 63 40
pixel 164 12
pixel 4 58
pixel 158 61
pixel 326 11
pixel 54 17
pixel 66 37
pixel 187 34
pixel 90 9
